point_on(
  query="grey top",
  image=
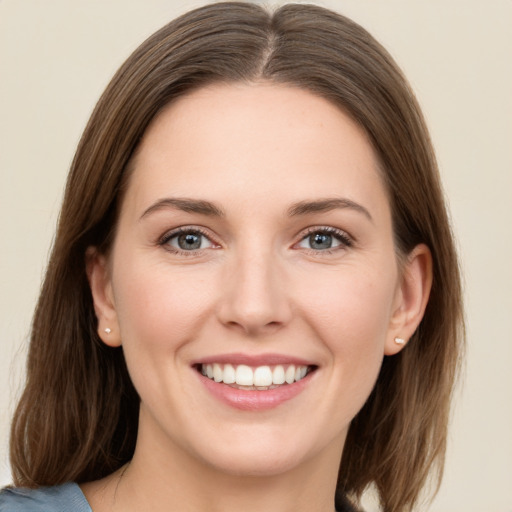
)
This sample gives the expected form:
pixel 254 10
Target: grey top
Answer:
pixel 60 498
pixel 67 498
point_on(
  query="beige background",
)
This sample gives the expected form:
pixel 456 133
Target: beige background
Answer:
pixel 56 57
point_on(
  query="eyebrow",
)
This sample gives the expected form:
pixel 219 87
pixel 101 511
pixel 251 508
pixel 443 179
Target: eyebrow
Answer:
pixel 212 210
pixel 325 205
pixel 185 205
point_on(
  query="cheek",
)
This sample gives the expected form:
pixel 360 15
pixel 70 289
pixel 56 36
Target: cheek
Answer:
pixel 350 304
pixel 159 308
pixel 350 312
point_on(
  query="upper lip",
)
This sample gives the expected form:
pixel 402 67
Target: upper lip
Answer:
pixel 253 360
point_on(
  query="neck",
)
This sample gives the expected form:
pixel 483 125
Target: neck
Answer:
pixel 171 479
pixel 186 484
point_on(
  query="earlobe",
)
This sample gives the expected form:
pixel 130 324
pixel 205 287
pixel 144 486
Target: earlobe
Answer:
pixel 101 289
pixel 411 299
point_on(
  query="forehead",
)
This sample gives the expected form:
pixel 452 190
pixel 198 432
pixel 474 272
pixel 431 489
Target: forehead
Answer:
pixel 237 141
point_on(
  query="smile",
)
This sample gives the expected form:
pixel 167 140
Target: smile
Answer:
pixel 255 383
pixel 254 378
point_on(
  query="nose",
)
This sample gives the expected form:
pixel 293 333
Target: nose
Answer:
pixel 254 295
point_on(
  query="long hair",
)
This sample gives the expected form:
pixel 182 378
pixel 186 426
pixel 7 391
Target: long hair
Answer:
pixel 77 418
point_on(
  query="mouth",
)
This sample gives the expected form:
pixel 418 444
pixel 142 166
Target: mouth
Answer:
pixel 255 378
pixel 255 382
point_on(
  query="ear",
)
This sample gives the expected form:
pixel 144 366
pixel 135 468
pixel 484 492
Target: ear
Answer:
pixel 411 298
pixel 104 306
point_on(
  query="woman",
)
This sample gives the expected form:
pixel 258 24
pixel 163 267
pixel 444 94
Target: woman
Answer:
pixel 253 298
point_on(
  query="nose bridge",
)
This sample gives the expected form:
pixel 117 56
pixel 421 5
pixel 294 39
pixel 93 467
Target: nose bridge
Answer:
pixel 255 297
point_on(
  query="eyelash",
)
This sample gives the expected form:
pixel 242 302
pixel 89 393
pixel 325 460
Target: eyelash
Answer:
pixel 341 236
pixel 345 240
pixel 189 230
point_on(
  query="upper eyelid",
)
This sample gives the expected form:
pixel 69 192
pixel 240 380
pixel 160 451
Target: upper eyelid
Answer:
pixel 313 229
pixel 214 239
pixel 168 235
pixel 329 229
pixel 346 240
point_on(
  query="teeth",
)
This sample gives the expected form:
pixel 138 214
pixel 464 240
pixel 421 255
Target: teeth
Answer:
pixel 300 372
pixel 229 376
pixel 244 376
pixel 289 375
pixel 259 377
pixel 278 375
pixel 217 373
pixel 263 376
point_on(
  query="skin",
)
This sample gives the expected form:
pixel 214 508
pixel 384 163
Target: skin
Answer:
pixel 257 286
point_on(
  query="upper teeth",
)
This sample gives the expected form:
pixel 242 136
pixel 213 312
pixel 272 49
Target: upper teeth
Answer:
pixel 260 376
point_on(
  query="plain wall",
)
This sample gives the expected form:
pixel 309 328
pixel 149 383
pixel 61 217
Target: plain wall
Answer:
pixel 57 56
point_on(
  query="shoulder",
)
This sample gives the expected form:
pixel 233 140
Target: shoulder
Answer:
pixel 60 498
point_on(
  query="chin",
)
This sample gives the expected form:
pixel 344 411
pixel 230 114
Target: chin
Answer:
pixel 268 453
pixel 244 464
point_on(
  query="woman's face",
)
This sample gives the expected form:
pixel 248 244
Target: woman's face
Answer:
pixel 254 242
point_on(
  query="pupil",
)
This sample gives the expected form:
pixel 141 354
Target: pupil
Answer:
pixel 189 241
pixel 320 241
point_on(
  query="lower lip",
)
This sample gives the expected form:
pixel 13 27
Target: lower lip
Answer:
pixel 254 400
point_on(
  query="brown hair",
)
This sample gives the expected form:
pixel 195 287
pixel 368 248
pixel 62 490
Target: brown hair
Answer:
pixel 77 418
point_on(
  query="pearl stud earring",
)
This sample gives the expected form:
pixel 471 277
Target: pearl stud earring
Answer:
pixel 399 341
pixel 108 330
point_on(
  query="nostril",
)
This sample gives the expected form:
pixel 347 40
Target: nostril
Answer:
pixel 253 326
pixel 253 301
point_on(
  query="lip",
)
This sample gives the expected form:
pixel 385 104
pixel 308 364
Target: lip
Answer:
pixel 254 360
pixel 254 400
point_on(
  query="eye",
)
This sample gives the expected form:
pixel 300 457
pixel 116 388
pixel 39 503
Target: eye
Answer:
pixel 325 239
pixel 186 240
